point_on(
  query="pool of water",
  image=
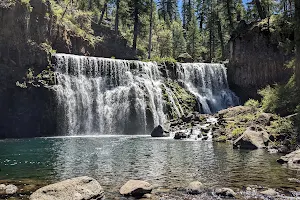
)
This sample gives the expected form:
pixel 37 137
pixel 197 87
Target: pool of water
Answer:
pixel 165 163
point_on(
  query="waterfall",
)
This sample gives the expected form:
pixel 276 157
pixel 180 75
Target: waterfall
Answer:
pixel 208 82
pixel 110 96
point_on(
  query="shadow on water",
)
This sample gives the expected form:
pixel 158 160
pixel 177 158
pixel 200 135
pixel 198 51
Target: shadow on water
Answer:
pixel 166 164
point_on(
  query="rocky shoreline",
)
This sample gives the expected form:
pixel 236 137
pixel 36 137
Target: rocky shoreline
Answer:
pixel 242 126
pixel 87 188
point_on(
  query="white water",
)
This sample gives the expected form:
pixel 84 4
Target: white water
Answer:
pixel 208 82
pixel 104 96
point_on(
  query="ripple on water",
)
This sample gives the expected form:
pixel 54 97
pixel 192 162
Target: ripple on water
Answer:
pixel 165 163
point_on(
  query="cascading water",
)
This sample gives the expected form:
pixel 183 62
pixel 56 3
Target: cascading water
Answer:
pixel 208 82
pixel 109 96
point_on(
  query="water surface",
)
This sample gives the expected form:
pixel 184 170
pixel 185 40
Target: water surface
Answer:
pixel 165 163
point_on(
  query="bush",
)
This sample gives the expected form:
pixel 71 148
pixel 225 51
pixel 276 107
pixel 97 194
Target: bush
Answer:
pixel 252 103
pixel 280 99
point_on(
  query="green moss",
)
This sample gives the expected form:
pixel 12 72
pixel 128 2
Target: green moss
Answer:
pixel 222 138
pixel 238 131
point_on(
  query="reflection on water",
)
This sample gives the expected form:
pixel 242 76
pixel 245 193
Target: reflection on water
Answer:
pixel 165 163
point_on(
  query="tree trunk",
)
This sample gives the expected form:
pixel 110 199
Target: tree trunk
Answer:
pixel 150 32
pixel 103 12
pixel 220 36
pixel 117 17
pixel 260 9
pixel 229 14
pixel 136 25
pixel 297 39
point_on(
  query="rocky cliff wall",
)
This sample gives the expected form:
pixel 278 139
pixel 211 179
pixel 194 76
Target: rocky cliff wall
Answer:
pixel 256 59
pixel 29 33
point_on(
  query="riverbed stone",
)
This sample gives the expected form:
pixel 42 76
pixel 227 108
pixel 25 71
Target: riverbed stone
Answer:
pixel 269 192
pixel 225 192
pixel 292 159
pixel 252 138
pixel 159 132
pixel 11 189
pixel 2 186
pixel 136 188
pixel 195 187
pixel 180 135
pixel 81 188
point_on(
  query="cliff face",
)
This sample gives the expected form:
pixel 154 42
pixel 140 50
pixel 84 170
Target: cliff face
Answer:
pixel 256 60
pixel 29 33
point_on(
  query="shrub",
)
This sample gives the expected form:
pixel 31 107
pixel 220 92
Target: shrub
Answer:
pixel 252 103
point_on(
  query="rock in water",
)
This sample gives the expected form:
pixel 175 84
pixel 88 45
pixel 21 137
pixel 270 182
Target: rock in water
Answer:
pixel 159 132
pixel 292 159
pixel 252 138
pixel 81 188
pixel 2 187
pixel 195 187
pixel 11 189
pixel 136 188
pixel 225 192
pixel 180 135
pixel 269 192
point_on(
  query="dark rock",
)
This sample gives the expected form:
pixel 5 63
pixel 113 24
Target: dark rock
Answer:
pixel 180 135
pixel 205 129
pixel 205 138
pixel 159 132
pixel 81 188
pixel 187 118
pixel 252 138
pixel 136 188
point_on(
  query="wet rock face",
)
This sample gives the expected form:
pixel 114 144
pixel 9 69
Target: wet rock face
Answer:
pixel 81 188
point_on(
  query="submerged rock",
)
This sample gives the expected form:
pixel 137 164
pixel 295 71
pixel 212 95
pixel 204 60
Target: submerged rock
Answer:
pixel 291 159
pixel 159 132
pixel 136 188
pixel 252 138
pixel 11 189
pixel 225 192
pixel 81 188
pixel 195 187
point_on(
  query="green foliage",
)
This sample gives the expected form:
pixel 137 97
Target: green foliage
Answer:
pixel 281 125
pixel 281 99
pixel 252 103
pixel 238 131
pixel 161 60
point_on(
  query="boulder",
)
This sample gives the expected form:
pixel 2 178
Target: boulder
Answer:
pixel 81 188
pixel 159 132
pixel 136 188
pixel 187 118
pixel 2 187
pixel 180 135
pixel 11 189
pixel 269 192
pixel 195 187
pixel 225 192
pixel 205 138
pixel 252 138
pixel 291 159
